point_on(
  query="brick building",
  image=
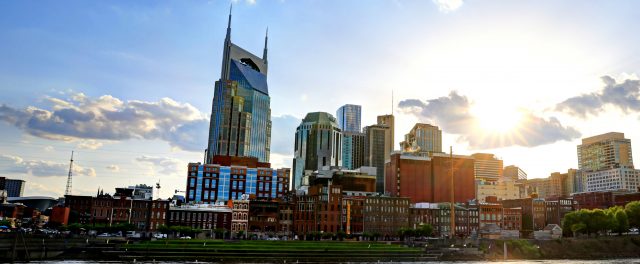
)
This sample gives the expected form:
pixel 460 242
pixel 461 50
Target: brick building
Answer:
pixel 207 217
pixel 426 179
pixel 438 216
pixel 145 214
pixel 533 213
pixel 385 215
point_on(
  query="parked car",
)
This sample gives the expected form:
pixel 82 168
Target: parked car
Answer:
pixel 160 236
pixel 104 235
pixel 185 237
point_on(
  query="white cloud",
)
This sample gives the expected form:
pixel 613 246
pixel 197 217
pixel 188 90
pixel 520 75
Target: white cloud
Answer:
pixel 162 164
pixel 446 6
pixel 453 114
pixel 109 118
pixel 41 168
pixel 114 168
pixel 89 144
pixel 624 96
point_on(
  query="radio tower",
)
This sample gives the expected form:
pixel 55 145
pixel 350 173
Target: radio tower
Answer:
pixel 67 191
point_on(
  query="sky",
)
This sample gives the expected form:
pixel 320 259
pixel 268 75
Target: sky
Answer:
pixel 127 85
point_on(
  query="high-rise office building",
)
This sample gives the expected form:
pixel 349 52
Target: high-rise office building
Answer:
pixel 516 174
pixel 349 118
pixel 12 187
pixel 606 151
pixel 606 163
pixel 423 138
pixel 318 143
pixel 388 120
pixel 487 167
pixel 377 151
pixel 240 122
pixel 353 150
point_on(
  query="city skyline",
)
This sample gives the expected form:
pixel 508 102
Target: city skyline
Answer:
pixel 161 89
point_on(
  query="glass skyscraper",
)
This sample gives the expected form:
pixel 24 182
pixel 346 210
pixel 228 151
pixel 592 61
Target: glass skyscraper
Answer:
pixel 318 143
pixel 349 118
pixel 241 114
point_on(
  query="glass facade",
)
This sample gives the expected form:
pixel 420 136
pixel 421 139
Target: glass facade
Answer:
pixel 232 182
pixel 241 115
pixel 349 118
pixel 318 143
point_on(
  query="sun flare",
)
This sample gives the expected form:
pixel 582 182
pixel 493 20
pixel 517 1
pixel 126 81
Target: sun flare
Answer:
pixel 497 118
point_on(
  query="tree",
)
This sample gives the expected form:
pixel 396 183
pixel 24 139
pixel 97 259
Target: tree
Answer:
pixel 632 210
pixel 424 230
pixel 622 222
pixel 219 233
pixel 6 223
pixel 164 229
pixel 570 220
pixel 598 221
pixel 341 235
pixel 74 228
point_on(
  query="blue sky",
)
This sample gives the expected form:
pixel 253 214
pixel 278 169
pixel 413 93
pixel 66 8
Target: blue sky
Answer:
pixel 480 62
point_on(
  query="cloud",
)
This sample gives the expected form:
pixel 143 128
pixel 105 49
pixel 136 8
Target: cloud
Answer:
pixel 109 118
pixel 90 144
pixel 248 2
pixel 41 168
pixel 163 164
pixel 114 168
pixel 623 96
pixel 453 115
pixel 446 6
pixel 283 132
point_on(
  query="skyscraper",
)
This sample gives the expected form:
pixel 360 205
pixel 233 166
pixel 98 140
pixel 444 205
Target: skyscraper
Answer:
pixel 377 151
pixel 423 138
pixel 606 151
pixel 388 120
pixel 12 187
pixel 487 167
pixel 240 122
pixel 318 143
pixel 606 163
pixel 516 174
pixel 349 118
pixel 353 150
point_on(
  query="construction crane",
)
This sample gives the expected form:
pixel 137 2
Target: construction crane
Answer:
pixel 67 190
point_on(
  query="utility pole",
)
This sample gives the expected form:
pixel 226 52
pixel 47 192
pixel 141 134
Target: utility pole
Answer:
pixel 453 213
pixel 67 190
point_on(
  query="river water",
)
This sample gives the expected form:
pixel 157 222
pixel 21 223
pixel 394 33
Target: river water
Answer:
pixel 556 261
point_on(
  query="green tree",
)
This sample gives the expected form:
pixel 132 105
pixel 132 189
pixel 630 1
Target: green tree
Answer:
pixel 341 235
pixel 74 228
pixel 632 210
pixel 219 233
pixel 598 221
pixel 6 223
pixel 424 230
pixel 569 220
pixel 622 222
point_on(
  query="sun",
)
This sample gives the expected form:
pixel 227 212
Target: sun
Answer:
pixel 497 118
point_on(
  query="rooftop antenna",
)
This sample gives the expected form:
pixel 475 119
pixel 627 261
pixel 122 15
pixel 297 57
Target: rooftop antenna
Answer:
pixel 67 190
pixel 391 101
pixel 158 188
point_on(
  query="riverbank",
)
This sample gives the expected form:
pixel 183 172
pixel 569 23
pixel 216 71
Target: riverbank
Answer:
pixel 567 248
pixel 34 248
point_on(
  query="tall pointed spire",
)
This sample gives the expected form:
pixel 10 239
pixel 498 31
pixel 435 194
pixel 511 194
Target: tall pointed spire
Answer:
pixel 266 39
pixel 229 23
pixel 227 49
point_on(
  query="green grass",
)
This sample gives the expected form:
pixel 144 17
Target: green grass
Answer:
pixel 274 246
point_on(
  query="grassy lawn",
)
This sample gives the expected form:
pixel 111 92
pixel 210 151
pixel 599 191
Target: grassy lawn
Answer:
pixel 275 246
